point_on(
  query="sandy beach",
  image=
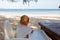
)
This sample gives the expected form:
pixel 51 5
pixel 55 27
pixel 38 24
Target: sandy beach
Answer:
pixel 15 20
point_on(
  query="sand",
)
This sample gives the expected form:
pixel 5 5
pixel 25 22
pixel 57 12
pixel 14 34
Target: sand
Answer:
pixel 14 22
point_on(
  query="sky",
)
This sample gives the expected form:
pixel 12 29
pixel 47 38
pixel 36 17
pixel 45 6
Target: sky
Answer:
pixel 41 4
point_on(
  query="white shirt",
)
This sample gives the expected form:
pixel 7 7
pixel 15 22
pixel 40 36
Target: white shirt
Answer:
pixel 21 32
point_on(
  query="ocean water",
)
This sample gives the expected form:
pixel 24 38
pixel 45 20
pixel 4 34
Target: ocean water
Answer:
pixel 31 11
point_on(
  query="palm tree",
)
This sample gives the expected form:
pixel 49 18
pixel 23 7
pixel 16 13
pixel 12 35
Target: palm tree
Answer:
pixel 36 0
pixel 12 0
pixel 27 1
pixel 2 0
pixel 24 1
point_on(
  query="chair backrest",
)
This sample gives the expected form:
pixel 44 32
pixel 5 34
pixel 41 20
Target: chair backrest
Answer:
pixel 6 35
pixel 8 30
pixel 22 32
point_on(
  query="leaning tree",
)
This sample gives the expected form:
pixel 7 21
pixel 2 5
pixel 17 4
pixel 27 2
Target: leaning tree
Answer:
pixel 28 1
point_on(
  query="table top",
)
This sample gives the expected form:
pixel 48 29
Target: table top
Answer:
pixel 39 35
pixel 52 26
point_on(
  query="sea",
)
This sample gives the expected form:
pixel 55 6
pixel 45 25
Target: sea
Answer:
pixel 55 12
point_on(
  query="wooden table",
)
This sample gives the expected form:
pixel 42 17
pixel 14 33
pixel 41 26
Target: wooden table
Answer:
pixel 39 35
pixel 52 29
